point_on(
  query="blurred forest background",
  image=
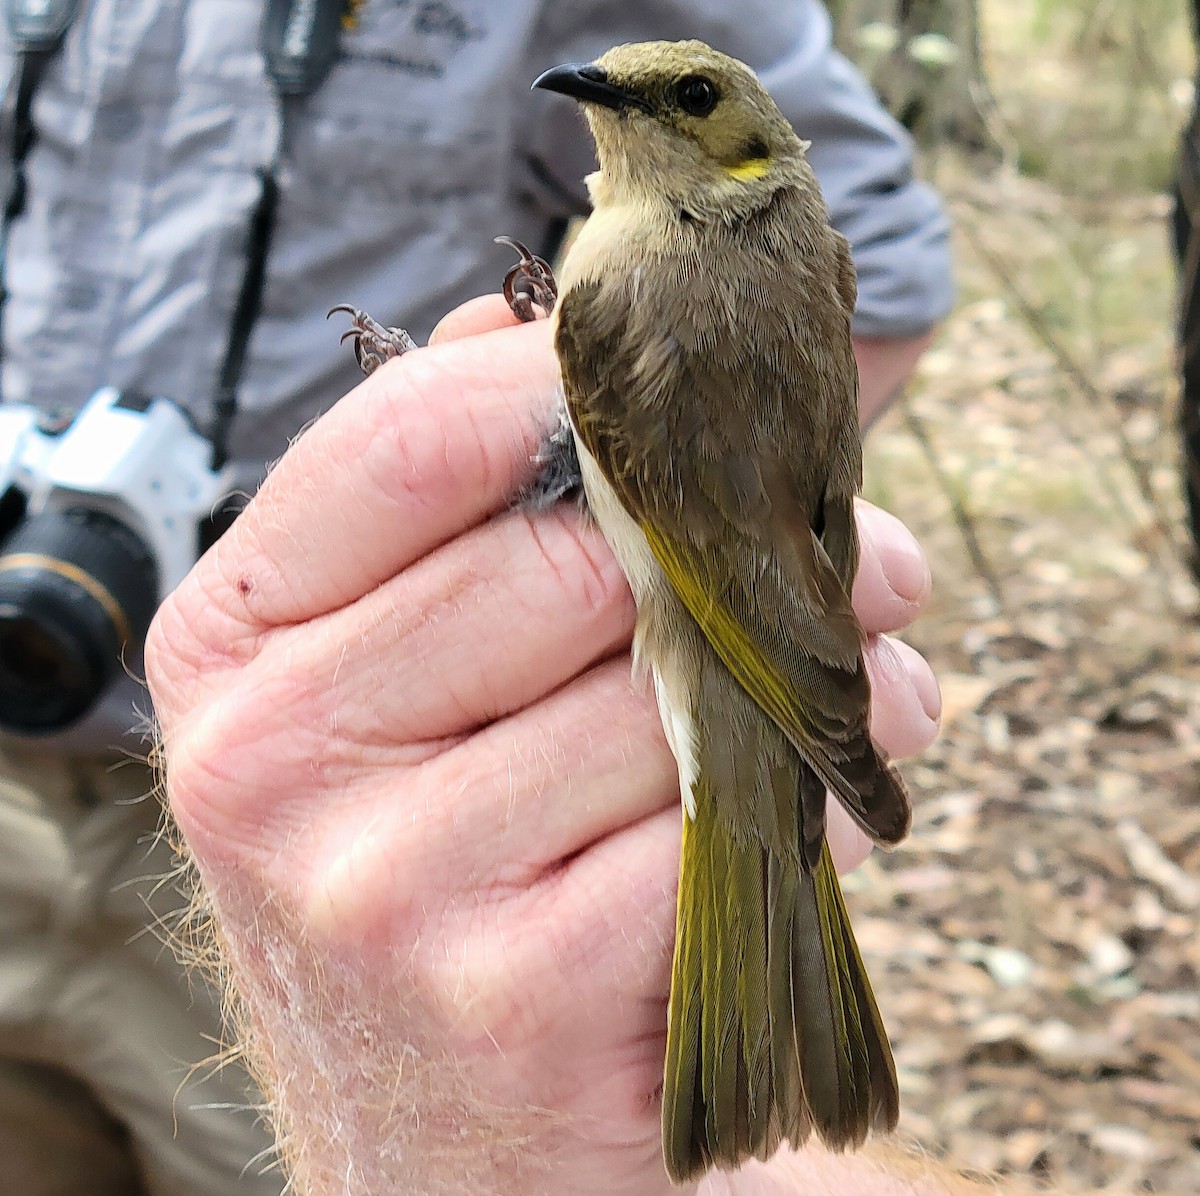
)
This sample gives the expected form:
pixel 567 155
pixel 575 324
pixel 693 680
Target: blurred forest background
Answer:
pixel 1035 943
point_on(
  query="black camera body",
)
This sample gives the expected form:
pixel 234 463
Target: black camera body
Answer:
pixel 100 518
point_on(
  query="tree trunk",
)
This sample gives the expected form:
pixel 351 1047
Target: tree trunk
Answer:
pixel 1187 249
pixel 925 60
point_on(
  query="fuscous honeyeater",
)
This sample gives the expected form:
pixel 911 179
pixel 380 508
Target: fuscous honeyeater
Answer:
pixel 703 330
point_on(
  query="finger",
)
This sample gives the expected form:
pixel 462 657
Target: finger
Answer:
pixel 489 623
pixel 429 445
pixel 905 700
pixel 893 581
pixel 553 583
pixel 588 760
pixel 848 842
pixel 486 313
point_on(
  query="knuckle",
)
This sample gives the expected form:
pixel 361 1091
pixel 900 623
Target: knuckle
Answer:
pixel 249 755
pixel 473 970
pixel 204 625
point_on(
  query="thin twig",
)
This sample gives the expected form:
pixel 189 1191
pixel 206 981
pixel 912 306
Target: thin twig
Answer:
pixel 1097 399
pixel 963 519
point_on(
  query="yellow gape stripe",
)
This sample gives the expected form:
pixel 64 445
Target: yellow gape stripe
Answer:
pixel 85 581
pixel 752 168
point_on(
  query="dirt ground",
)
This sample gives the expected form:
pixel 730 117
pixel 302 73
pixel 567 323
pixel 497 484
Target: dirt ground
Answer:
pixel 1034 945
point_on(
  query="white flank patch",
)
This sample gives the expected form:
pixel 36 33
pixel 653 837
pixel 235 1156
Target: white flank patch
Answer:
pixel 677 727
pixel 633 554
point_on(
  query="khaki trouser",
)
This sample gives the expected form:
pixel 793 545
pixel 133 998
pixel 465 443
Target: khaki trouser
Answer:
pixel 104 1087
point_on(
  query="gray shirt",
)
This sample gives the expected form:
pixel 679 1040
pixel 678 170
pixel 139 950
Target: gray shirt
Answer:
pixel 156 119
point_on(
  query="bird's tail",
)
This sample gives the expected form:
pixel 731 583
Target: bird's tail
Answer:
pixel 773 1028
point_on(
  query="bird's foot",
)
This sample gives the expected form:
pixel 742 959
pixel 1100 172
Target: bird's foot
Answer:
pixel 373 343
pixel 532 292
pixel 559 474
pixel 529 286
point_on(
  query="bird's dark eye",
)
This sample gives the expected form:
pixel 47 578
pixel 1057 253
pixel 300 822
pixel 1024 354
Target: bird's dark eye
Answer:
pixel 697 95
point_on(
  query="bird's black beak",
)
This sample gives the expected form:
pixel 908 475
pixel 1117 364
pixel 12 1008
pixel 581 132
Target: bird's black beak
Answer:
pixel 587 82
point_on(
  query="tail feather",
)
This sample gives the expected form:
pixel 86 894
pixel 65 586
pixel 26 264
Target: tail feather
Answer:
pixel 836 1084
pixel 791 1116
pixel 773 1028
pixel 883 1107
pixel 683 1114
pixel 719 1038
pixel 684 1128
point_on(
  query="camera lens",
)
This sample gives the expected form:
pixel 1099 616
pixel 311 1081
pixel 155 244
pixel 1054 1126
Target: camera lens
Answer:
pixel 77 589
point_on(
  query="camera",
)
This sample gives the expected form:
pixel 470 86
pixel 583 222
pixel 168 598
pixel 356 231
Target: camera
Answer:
pixel 100 518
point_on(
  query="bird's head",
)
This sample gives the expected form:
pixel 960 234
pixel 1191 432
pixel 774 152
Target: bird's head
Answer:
pixel 682 122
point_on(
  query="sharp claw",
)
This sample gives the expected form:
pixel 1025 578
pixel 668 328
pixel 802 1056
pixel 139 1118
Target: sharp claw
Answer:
pixel 530 282
pixel 373 343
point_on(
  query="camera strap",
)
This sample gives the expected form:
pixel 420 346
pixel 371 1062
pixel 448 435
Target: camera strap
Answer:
pixel 299 44
pixel 38 25
pixel 36 29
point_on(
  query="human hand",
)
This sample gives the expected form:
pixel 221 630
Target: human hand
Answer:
pixel 438 825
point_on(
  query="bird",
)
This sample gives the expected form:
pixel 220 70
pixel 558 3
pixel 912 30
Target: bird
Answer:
pixel 703 332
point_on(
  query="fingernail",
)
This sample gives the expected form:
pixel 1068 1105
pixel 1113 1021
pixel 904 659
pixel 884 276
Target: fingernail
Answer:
pixel 905 568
